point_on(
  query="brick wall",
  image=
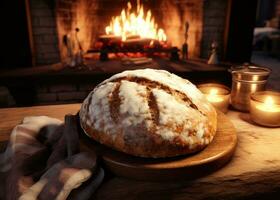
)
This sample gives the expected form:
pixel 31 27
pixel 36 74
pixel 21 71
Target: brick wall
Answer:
pixel 44 31
pixel 62 93
pixel 175 14
pixel 72 14
pixel 214 20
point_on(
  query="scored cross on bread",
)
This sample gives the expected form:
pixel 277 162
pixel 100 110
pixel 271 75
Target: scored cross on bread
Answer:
pixel 149 113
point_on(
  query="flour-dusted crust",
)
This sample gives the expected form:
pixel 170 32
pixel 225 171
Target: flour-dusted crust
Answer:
pixel 149 113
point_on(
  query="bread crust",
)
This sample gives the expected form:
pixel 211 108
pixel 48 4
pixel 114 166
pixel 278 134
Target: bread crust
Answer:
pixel 149 113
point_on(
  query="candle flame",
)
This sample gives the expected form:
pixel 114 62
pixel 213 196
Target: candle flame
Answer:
pixel 213 91
pixel 268 105
pixel 269 101
pixel 213 96
pixel 136 23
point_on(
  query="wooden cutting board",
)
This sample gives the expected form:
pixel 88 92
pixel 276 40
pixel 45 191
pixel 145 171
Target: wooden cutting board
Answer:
pixel 213 157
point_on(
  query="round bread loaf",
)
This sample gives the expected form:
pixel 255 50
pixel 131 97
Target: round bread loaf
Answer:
pixel 149 113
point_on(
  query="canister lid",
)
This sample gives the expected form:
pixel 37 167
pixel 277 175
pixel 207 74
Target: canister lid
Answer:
pixel 250 73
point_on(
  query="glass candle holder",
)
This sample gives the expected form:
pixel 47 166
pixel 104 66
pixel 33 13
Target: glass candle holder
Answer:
pixel 265 108
pixel 218 95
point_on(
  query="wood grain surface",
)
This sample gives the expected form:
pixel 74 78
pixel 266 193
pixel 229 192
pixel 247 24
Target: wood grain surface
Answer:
pixel 252 173
pixel 192 166
pixel 10 117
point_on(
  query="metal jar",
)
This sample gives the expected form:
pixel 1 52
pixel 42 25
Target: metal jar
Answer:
pixel 246 80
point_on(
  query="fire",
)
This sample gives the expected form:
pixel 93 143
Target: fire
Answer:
pixel 137 23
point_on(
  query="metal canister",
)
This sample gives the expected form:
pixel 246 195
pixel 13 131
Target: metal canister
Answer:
pixel 247 79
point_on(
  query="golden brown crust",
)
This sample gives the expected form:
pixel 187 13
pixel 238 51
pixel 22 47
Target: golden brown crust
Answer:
pixel 138 140
pixel 152 147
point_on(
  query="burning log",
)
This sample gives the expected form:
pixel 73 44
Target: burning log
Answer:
pixel 109 38
pixel 150 51
pixel 137 43
pixel 110 41
pixel 128 37
pixel 115 41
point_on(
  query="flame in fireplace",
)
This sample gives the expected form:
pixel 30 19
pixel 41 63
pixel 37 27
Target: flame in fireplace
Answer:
pixel 138 23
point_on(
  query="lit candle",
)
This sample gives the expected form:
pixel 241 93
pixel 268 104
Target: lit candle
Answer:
pixel 265 108
pixel 218 95
pixel 213 96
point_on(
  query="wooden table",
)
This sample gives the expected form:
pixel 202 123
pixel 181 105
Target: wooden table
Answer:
pixel 253 173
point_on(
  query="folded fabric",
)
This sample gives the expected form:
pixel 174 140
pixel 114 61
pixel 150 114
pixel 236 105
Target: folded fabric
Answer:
pixel 43 161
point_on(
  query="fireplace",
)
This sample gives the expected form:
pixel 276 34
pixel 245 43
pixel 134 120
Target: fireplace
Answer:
pixel 99 38
pixel 53 20
pixel 93 17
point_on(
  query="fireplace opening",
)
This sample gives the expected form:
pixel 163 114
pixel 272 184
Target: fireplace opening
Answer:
pixel 127 27
pixel 133 33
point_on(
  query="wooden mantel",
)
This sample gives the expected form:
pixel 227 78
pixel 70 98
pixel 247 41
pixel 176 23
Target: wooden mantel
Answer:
pixel 253 173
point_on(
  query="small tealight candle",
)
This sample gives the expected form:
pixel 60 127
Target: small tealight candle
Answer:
pixel 218 95
pixel 265 108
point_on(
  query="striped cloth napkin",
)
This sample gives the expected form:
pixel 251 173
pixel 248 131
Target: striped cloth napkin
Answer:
pixel 43 161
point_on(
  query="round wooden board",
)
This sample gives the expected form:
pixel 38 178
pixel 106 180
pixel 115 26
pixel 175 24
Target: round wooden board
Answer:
pixel 213 157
